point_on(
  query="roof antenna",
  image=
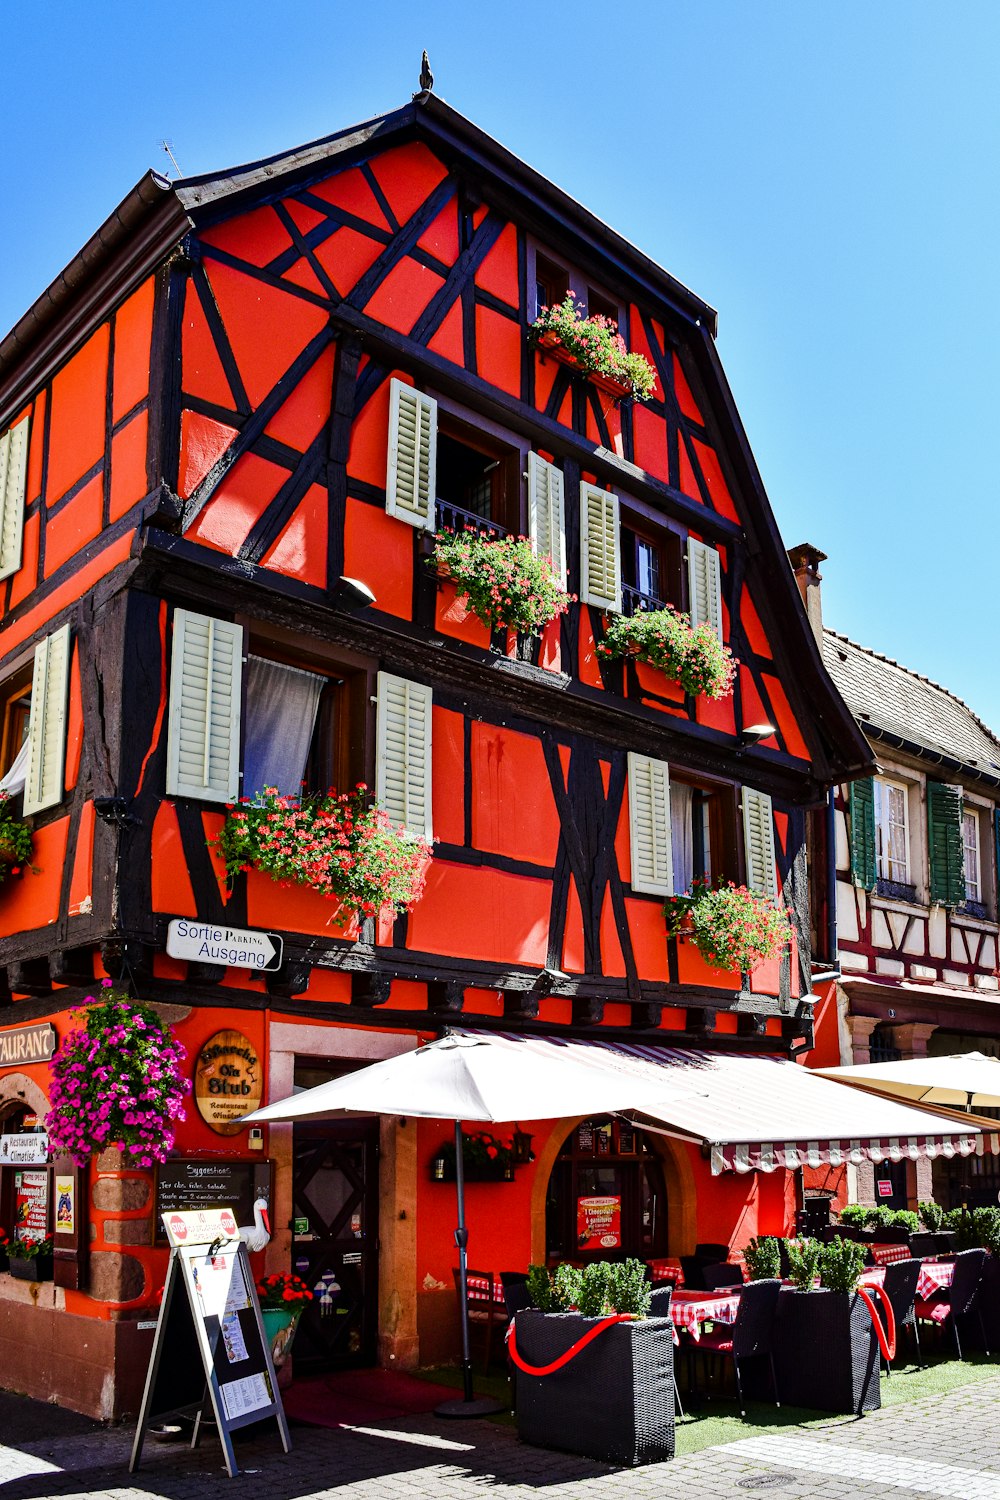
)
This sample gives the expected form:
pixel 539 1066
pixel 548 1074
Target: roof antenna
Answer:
pixel 426 77
pixel 168 147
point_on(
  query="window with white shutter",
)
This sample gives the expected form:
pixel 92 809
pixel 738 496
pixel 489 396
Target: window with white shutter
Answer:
pixel 403 753
pixel 411 475
pixel 649 825
pixel 203 736
pixel 758 836
pixel 43 785
pixel 704 585
pixel 547 513
pixel 600 549
pixel 13 482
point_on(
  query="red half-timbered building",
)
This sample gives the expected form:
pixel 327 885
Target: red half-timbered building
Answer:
pixel 249 394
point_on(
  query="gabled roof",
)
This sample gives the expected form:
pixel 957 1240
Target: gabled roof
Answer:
pixel 893 703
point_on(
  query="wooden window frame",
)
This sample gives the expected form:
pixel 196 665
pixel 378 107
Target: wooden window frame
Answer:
pixel 643 525
pixel 727 858
pixel 586 288
pixel 974 814
pixel 15 698
pixel 882 861
pixel 457 423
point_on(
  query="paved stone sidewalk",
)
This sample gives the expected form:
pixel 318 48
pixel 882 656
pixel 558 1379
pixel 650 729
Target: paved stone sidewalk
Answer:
pixel 942 1448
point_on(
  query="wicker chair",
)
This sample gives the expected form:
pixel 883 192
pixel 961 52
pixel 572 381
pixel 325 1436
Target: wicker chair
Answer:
pixel 750 1336
pixel 959 1300
pixel 693 1271
pixel 711 1255
pixel 659 1307
pixel 515 1291
pixel 900 1286
pixel 716 1277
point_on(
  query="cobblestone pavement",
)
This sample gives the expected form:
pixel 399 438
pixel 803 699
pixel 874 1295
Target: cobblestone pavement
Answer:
pixel 945 1446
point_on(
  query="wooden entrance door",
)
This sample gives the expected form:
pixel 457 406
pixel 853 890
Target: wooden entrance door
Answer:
pixel 335 1242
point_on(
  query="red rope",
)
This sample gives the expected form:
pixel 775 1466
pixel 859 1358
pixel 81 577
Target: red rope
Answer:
pixel 886 1336
pixel 571 1352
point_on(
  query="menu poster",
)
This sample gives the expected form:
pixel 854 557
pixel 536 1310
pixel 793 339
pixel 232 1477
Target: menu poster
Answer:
pixel 31 1205
pixel 603 1135
pixel 884 1187
pixel 65 1205
pixel 585 1137
pixel 599 1222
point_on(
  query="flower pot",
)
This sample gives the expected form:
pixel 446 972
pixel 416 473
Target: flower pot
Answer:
pixel 550 344
pixel 614 1401
pixel 31 1268
pixel 280 1324
pixel 4 1260
pixel 826 1352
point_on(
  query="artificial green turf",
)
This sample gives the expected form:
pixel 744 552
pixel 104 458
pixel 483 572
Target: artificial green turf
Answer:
pixel 719 1421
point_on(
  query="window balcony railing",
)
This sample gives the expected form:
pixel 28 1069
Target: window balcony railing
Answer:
pixel 454 518
pixel 635 602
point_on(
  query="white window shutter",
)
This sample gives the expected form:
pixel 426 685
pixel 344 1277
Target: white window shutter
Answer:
pixel 411 475
pixel 649 825
pixel 600 549
pixel 704 585
pixel 547 513
pixel 403 753
pixel 43 786
pixel 13 482
pixel 203 736
pixel 758 836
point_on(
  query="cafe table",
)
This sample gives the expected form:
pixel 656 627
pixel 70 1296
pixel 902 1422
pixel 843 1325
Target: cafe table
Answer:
pixel 690 1309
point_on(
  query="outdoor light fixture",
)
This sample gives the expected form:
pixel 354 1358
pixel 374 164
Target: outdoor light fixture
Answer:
pixel 351 593
pixel 753 734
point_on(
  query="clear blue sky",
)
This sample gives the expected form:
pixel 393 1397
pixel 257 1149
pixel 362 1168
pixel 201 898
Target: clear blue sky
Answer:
pixel 823 174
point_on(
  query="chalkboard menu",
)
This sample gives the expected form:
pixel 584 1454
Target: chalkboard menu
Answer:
pixel 208 1182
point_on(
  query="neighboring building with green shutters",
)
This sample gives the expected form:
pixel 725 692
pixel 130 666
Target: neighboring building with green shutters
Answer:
pixel 917 887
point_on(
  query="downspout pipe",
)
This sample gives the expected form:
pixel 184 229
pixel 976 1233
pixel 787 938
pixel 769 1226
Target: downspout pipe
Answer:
pixel 832 955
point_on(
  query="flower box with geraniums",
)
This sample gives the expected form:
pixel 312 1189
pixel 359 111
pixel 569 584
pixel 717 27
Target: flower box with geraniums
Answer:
pixel 15 841
pixel 505 583
pixel 826 1349
pixel 116 1081
pixel 613 1400
pixel 31 1259
pixel 282 1302
pixel 593 346
pixel 485 1158
pixel 732 927
pixel 342 846
pixel 691 655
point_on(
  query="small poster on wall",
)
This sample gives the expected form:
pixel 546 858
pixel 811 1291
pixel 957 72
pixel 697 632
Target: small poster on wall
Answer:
pixel 884 1187
pixel 65 1205
pixel 31 1205
pixel 599 1222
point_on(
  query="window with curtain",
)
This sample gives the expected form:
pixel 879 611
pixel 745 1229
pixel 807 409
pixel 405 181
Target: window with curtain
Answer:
pixel 282 705
pixel 690 834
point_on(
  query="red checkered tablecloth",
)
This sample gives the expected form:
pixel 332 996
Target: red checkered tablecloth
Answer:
pixel 934 1276
pixel 886 1254
pixel 690 1309
pixel 479 1289
pixel 661 1271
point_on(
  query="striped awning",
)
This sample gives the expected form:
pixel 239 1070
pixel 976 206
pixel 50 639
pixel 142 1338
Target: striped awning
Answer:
pixel 759 1114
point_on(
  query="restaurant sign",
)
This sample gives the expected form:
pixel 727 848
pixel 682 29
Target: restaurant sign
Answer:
pixel 27 1044
pixel 228 1081
pixel 24 1148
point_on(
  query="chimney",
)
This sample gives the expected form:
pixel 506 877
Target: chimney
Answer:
pixel 805 560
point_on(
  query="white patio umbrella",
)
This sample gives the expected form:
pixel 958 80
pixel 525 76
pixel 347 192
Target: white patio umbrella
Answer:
pixel 480 1077
pixel 964 1080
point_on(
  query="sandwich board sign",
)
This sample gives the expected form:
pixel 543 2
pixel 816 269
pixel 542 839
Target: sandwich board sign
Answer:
pixel 210 1352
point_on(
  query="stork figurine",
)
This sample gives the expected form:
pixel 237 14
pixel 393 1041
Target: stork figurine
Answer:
pixel 258 1234
pixel 426 77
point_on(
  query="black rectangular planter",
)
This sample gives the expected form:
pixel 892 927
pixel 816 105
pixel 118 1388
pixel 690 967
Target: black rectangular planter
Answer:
pixel 31 1268
pixel 826 1352
pixel 614 1401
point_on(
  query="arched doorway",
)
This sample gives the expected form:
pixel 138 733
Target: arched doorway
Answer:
pixel 607 1194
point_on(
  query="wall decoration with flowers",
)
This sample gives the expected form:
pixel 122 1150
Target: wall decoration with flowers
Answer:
pixel 593 346
pixel 504 581
pixel 342 846
pixel 485 1158
pixel 116 1081
pixel 689 654
pixel 733 928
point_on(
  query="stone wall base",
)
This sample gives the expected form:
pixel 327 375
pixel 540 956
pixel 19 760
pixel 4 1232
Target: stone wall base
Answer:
pixel 86 1364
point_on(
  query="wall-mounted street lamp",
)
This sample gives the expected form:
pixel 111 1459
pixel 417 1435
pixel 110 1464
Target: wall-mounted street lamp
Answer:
pixel 753 734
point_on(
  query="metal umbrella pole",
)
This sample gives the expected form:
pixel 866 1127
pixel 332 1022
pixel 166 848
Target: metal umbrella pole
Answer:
pixel 470 1405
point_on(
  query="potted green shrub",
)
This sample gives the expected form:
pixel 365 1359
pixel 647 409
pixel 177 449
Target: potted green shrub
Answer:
pixel 282 1302
pixel 762 1257
pixel 613 1400
pixel 31 1259
pixel 731 926
pixel 931 1216
pixel 825 1346
pixel 691 655
pixel 593 346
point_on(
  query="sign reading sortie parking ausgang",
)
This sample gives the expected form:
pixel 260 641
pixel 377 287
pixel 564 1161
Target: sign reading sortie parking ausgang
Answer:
pixel 236 947
pixel 27 1044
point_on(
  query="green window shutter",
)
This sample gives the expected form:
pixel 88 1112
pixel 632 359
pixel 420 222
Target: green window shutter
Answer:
pixel 944 841
pixel 862 811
